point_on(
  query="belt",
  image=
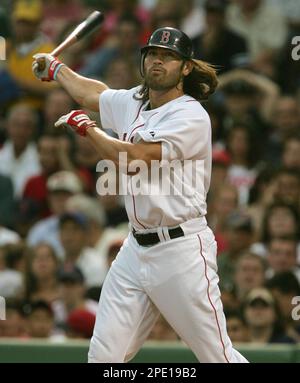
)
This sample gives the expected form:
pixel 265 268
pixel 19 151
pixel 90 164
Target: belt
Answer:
pixel 151 239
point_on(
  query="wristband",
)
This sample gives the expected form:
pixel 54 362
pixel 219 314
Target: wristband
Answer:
pixel 82 129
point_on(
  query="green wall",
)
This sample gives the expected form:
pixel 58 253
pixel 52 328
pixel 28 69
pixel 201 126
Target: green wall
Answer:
pixel 40 351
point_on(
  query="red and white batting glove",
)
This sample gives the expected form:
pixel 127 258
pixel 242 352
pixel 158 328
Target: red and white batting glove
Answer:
pixel 77 120
pixel 51 66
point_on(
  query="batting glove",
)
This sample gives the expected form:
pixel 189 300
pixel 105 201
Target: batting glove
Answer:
pixel 45 67
pixel 77 120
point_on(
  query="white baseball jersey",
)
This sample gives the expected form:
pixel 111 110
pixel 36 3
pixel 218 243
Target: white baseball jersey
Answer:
pixel 177 277
pixel 183 127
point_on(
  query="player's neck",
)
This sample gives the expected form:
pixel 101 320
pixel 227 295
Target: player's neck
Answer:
pixel 159 98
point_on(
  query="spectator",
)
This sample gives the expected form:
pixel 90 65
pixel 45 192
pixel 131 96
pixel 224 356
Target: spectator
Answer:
pixel 244 154
pixel 16 255
pixel 285 121
pixel 54 156
pixel 122 74
pixel 236 326
pixel 36 186
pixel 286 116
pixel 40 319
pixel 165 13
pixel 282 256
pixel 7 204
pixel 127 46
pixel 220 164
pixel 8 236
pixel 13 258
pixel 41 276
pixel 27 41
pixel 260 196
pixel 229 298
pixel 249 97
pixel 112 203
pixel 73 290
pixel 57 103
pixel 192 18
pixel 263 318
pixel 56 13
pixel 265 39
pixel 99 237
pixel 164 9
pixel 280 219
pixel 73 228
pixel 285 287
pixel 239 100
pixel 60 186
pixel 239 236
pixel 249 274
pixel 27 215
pixel 86 159
pixel 223 204
pixel 290 153
pixel 217 44
pixel 117 9
pixel 287 187
pixel 14 325
pixel 18 156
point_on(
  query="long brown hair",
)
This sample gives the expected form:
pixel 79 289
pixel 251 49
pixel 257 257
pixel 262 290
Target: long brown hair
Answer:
pixel 31 282
pixel 202 81
pixel 199 84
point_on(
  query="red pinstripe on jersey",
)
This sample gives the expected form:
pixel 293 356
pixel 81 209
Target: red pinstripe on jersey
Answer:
pixel 139 126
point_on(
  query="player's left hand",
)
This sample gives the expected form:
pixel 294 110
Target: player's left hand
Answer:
pixel 77 120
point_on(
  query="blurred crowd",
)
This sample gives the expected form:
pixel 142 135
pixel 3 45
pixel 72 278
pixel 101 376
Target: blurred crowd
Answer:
pixel 58 237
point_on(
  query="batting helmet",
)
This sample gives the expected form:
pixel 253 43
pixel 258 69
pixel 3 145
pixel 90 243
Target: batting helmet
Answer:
pixel 169 38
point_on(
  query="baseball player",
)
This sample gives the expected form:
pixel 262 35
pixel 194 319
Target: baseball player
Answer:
pixel 167 263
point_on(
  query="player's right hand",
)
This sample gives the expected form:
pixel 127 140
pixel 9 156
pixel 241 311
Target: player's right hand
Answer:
pixel 45 67
pixel 77 120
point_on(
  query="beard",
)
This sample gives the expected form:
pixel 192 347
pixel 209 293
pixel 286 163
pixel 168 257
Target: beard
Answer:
pixel 161 81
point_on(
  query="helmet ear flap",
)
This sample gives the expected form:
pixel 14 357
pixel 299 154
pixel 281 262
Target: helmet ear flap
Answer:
pixel 142 71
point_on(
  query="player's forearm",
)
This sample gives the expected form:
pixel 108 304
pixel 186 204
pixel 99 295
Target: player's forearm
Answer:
pixel 110 148
pixel 83 90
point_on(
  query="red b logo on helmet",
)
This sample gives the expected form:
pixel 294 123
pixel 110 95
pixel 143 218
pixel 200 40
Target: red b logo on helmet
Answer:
pixel 165 37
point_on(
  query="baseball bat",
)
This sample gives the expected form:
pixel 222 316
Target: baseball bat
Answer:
pixel 93 21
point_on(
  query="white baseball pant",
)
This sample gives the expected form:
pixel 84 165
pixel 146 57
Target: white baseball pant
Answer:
pixel 177 277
